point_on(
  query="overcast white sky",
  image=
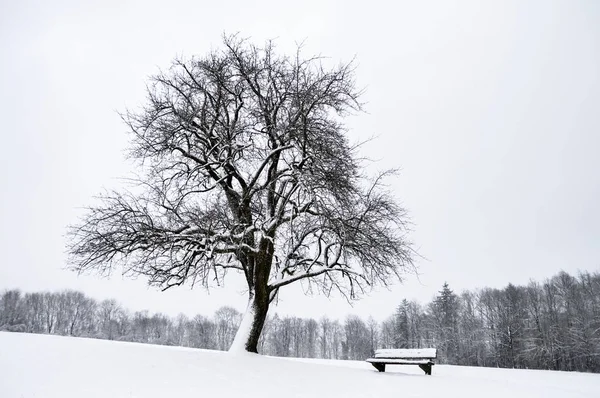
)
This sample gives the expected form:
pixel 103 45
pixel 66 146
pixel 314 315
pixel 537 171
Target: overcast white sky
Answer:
pixel 491 109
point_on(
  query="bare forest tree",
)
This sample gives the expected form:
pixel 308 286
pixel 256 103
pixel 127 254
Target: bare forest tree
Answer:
pixel 246 167
pixel 227 321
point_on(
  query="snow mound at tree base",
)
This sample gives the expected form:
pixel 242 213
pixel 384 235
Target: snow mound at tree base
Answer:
pixel 67 367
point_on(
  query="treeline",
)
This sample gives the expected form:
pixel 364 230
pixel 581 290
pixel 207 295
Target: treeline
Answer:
pixel 549 325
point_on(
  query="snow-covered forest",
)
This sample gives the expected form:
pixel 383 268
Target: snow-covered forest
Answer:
pixel 553 324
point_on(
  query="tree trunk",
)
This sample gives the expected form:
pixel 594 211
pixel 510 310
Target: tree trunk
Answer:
pixel 248 334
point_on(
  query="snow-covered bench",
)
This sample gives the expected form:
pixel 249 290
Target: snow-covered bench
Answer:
pixel 423 357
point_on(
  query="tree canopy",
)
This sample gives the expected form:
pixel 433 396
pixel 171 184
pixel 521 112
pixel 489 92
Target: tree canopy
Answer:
pixel 246 166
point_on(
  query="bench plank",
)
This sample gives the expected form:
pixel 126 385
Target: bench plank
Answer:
pixel 399 361
pixel 415 353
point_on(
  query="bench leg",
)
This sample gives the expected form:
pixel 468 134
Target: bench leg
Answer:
pixel 426 368
pixel 379 366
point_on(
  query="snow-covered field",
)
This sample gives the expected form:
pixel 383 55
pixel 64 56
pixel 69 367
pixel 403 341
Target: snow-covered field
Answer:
pixel 64 367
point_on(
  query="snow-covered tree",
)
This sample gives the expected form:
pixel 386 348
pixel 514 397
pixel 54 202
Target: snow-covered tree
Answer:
pixel 444 312
pixel 402 326
pixel 246 166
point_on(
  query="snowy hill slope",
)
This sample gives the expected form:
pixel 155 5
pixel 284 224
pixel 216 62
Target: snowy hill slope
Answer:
pixel 52 366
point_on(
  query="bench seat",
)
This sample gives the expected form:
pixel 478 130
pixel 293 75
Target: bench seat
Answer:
pixel 420 357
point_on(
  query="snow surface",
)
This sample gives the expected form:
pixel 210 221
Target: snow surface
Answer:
pixel 43 366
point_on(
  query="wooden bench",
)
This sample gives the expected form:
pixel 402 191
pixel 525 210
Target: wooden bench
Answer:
pixel 423 357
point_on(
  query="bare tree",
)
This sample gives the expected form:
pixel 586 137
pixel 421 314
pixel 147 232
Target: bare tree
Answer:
pixel 227 320
pixel 312 333
pixel 246 166
pixel 203 333
pixel 373 334
pixel 324 326
pixel 109 314
pixel 50 311
pixel 388 338
pixel 11 313
pixel 357 344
